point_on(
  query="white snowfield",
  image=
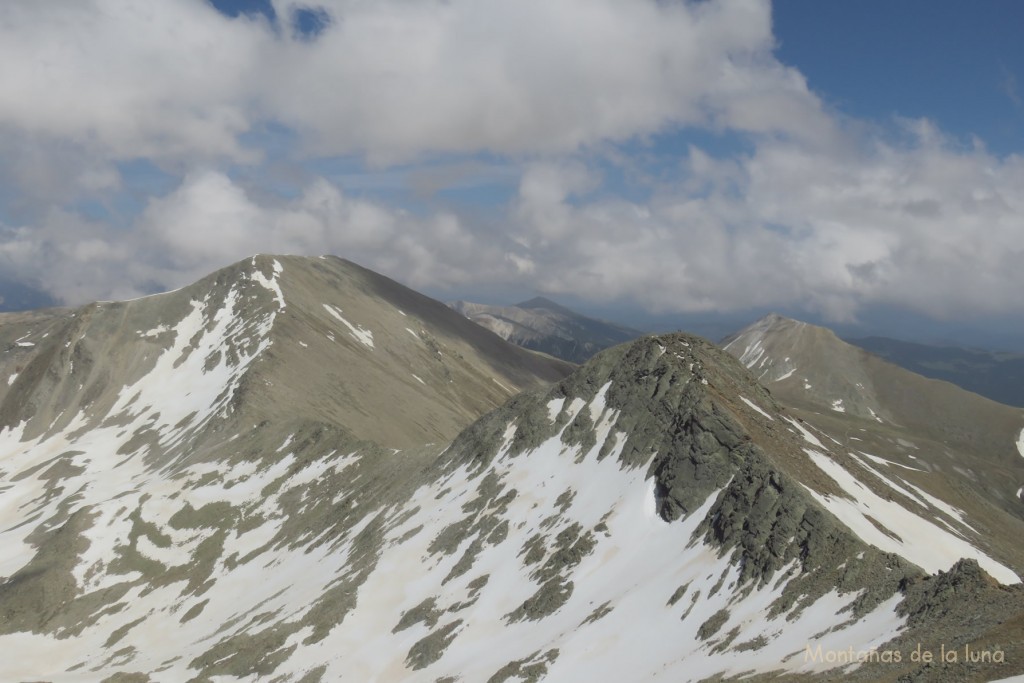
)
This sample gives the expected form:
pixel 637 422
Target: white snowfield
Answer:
pixel 616 621
pixel 926 544
pixel 176 398
pixel 271 282
pixel 921 541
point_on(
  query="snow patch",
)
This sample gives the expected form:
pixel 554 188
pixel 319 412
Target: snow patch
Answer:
pixel 755 407
pixel 155 332
pixel 882 461
pixel 597 404
pixel 270 282
pixel 913 492
pixel 808 437
pixel 415 377
pixel 555 407
pixel 1020 443
pixel 752 354
pixel 837 405
pixel 360 334
pixel 10 380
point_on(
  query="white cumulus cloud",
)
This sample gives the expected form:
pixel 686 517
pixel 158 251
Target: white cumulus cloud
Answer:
pixel 550 99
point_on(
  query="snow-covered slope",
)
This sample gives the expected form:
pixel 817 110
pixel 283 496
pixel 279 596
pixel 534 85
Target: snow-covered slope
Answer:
pixel 656 515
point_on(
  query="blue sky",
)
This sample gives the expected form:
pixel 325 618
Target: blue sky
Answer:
pixel 957 63
pixel 666 163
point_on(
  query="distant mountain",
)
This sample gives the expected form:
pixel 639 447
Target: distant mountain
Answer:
pixel 542 325
pixel 998 376
pixel 244 479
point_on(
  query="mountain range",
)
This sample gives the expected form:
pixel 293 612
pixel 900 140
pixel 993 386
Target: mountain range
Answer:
pixel 298 470
pixel 543 325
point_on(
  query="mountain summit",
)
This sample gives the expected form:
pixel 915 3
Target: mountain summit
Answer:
pixel 284 337
pixel 657 513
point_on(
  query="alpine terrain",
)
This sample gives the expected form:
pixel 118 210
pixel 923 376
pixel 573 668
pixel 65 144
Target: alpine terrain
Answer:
pixel 542 325
pixel 298 470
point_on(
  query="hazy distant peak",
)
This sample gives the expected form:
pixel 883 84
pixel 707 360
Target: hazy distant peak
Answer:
pixel 542 302
pixel 542 325
pixel 779 321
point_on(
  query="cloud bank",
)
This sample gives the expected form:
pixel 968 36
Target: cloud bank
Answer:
pixel 806 208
